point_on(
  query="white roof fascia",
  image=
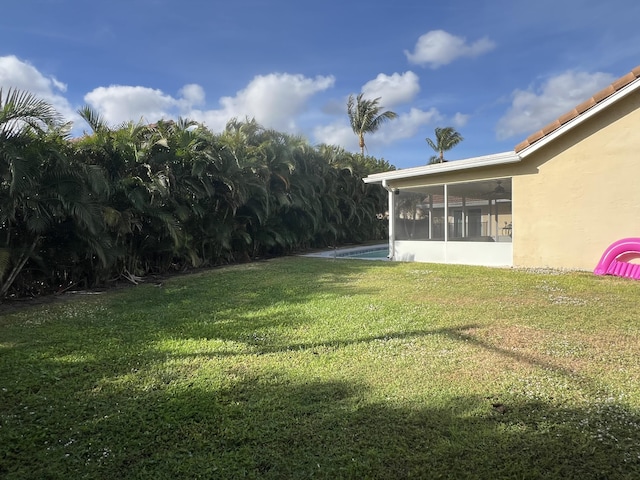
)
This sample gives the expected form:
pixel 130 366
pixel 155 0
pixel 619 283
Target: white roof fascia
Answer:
pixel 451 166
pixel 597 108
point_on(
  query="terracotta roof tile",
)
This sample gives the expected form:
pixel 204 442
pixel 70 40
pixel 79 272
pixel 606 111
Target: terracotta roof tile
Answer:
pixel 551 127
pixel 623 81
pixel 521 146
pixel 534 137
pixel 586 105
pixel 604 93
pixel 580 109
pixel 568 116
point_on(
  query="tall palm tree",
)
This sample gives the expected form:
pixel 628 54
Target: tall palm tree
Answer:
pixel 366 116
pixel 446 139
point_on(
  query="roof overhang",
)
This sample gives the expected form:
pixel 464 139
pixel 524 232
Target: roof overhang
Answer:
pixel 439 168
pixel 547 138
pixel 615 92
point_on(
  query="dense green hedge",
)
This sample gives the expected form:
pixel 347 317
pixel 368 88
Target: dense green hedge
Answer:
pixel 140 199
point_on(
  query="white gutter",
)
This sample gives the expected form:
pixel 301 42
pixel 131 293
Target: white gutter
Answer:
pixel 476 162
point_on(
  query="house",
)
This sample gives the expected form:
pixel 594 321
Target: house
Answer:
pixel 558 200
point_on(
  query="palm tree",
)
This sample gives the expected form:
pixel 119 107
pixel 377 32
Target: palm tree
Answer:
pixel 43 191
pixel 138 212
pixel 366 116
pixel 446 139
pixel 21 112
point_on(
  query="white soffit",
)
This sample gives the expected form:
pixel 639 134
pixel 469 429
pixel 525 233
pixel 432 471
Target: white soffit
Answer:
pixel 451 166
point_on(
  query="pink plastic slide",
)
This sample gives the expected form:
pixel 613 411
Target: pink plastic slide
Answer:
pixel 615 259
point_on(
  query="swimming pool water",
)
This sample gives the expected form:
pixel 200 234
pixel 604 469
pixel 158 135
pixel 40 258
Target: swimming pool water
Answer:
pixel 373 254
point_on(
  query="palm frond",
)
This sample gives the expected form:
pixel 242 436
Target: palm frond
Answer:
pixel 20 108
pixel 94 119
pixel 39 221
pixel 23 171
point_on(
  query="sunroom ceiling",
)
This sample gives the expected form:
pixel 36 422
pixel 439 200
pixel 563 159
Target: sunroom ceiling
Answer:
pixel 477 189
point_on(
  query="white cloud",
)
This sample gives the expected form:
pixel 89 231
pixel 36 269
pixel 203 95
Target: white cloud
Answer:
pixel 277 100
pixel 59 85
pixel 15 73
pixel 437 48
pixel 274 100
pixel 408 124
pixel 534 108
pixel 337 133
pixel 192 95
pixel 393 89
pixel 460 119
pixel 122 103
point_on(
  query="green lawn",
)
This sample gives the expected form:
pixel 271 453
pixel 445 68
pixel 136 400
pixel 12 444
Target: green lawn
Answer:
pixel 314 368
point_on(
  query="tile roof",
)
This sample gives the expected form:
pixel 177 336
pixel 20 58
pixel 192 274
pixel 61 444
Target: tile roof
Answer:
pixel 580 109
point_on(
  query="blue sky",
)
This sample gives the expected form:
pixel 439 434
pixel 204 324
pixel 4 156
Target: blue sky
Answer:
pixel 496 70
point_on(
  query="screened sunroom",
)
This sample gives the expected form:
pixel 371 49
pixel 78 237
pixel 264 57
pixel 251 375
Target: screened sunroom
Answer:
pixel 467 222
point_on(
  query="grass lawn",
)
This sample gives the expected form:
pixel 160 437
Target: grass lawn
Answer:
pixel 315 368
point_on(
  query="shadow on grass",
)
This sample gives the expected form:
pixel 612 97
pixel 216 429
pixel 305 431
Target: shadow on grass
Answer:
pixel 60 420
pixel 208 295
pixel 235 304
pixel 277 428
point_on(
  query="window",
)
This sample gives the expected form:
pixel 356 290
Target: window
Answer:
pixel 419 214
pixel 475 212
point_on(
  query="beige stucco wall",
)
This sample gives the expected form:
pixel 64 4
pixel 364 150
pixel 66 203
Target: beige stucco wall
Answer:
pixel 573 197
pixel 580 193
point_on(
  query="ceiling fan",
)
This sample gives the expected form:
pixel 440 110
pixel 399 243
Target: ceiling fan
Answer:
pixel 498 192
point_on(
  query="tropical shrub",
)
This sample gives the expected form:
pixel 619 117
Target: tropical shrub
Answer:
pixel 132 200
